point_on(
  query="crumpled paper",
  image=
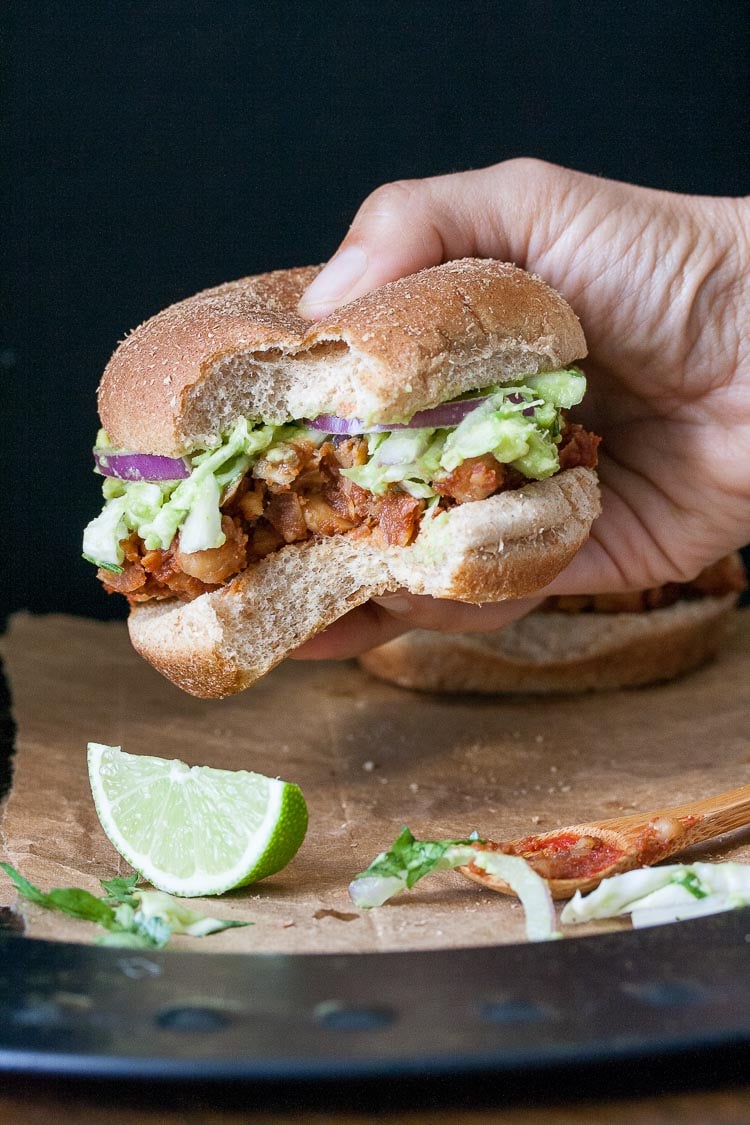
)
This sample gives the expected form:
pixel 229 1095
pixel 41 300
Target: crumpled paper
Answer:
pixel 369 758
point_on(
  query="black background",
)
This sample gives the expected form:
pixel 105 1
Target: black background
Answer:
pixel 153 149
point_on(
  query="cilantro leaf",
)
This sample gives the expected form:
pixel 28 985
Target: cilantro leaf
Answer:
pixel 81 904
pixel 121 888
pixel 27 889
pixel 68 900
pixel 690 881
pixel 406 862
pixel 132 918
pixel 410 859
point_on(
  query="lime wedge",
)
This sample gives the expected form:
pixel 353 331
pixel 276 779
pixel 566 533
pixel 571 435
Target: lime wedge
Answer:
pixel 194 830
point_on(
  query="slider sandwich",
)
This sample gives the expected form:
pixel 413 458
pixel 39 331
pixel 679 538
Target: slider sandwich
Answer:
pixel 263 475
pixel 575 643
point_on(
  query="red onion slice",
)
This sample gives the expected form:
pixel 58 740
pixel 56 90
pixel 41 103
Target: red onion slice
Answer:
pixel 343 427
pixel 446 414
pixel 140 466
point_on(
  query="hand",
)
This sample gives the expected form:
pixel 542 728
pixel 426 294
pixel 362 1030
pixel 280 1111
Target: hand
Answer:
pixel 661 283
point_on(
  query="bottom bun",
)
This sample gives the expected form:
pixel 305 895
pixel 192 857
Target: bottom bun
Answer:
pixel 559 652
pixel 507 546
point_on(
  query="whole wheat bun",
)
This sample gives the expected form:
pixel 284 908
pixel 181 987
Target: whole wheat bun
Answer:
pixel 241 350
pixel 180 380
pixel 549 652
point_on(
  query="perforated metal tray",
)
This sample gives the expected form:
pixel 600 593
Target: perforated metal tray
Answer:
pixel 85 1012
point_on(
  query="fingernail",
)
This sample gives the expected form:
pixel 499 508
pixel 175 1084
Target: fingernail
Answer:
pixel 336 279
pixel 395 603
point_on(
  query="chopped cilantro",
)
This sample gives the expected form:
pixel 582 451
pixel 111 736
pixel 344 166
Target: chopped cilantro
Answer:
pixel 692 883
pixel 132 918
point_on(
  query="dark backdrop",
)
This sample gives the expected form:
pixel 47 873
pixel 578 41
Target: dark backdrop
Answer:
pixel 152 149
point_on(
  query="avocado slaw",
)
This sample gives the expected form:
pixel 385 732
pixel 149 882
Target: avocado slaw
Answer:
pixel 519 424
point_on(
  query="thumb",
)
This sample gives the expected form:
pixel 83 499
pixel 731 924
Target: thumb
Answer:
pixel 513 211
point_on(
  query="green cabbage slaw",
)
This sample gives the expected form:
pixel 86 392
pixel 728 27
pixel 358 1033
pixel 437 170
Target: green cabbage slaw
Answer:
pixel 672 893
pixel 519 424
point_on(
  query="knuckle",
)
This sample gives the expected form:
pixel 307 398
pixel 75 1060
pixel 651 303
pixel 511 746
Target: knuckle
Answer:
pixel 531 168
pixel 390 199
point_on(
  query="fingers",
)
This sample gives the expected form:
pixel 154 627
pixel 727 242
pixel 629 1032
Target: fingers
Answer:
pixel 408 225
pixel 382 619
pixel 440 614
pixel 359 630
pixel 597 568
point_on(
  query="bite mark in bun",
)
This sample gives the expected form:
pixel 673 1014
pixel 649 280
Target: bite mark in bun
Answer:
pixel 264 475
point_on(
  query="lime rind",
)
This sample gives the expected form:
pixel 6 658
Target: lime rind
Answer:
pixel 195 831
pixel 293 819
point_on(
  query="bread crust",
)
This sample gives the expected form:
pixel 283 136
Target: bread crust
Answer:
pixel 506 546
pixel 178 381
pixel 549 653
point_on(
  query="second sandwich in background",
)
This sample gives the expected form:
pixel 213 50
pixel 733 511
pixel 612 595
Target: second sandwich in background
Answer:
pixel 575 644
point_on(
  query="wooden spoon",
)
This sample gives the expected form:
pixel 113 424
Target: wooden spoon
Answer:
pixel 577 858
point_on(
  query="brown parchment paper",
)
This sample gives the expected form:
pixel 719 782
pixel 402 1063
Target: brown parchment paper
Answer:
pixel 369 758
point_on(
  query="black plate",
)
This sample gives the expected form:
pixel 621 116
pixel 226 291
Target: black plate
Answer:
pixel 87 1012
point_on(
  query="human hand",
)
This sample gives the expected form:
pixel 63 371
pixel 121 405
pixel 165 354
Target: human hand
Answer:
pixel 661 284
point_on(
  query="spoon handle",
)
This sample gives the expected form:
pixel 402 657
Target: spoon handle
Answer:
pixel 700 820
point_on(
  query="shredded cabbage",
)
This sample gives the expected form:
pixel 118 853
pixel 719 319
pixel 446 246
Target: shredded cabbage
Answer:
pixel 409 860
pixel 520 425
pixel 653 895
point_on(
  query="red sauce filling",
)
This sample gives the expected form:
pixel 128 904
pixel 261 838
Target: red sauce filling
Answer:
pixel 566 856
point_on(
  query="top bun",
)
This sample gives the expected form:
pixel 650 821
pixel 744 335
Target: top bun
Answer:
pixel 178 382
